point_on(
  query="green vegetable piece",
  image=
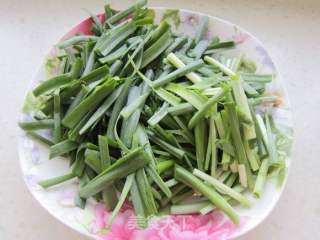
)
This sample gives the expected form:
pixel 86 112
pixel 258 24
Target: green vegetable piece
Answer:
pixel 203 111
pixel 37 125
pixel 75 40
pixel 122 14
pixel 261 178
pixel 157 116
pixel 178 73
pixel 62 148
pixel 239 147
pixel 122 168
pixel 182 108
pixel 94 75
pixel 177 152
pixel 89 103
pixel 158 32
pixel 98 114
pixel 123 196
pixel 188 208
pixel 115 67
pixel 76 68
pixel 222 187
pixel 118 53
pixel 55 181
pixel 138 205
pixel 178 43
pixel 52 84
pixel 187 178
pixel 164 165
pixel 194 98
pixel 201 143
pixel 118 107
pixel 57 131
pixel 111 42
pixel 156 49
pixel 40 138
pixel 158 180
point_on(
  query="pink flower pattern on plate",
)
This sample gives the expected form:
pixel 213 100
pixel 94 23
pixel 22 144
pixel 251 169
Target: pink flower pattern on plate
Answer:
pixel 213 226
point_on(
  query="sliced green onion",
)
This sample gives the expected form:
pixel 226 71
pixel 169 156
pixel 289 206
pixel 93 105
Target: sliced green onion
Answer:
pixel 201 143
pixel 157 116
pixel 117 107
pixel 57 131
pixel 40 138
pixel 177 152
pixel 130 165
pixel 37 125
pixel 130 109
pixel 120 15
pixel 158 180
pixel 173 59
pixel 187 178
pixel 123 196
pixel 88 103
pixel 102 109
pixel 181 108
pixel 156 49
pixel 261 178
pixel 201 113
pixel 249 77
pixel 167 96
pixel 178 73
pixel 222 187
pixel 118 53
pixel 195 99
pixel 62 148
pixel 57 180
pixel 76 40
pixel 115 67
pixel 51 84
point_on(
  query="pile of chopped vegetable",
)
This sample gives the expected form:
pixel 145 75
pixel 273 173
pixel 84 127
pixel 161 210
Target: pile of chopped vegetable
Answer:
pixel 156 117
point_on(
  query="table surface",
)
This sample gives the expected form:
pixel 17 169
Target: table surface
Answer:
pixel 290 31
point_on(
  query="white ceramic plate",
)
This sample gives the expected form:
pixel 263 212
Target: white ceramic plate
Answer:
pixel 58 201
